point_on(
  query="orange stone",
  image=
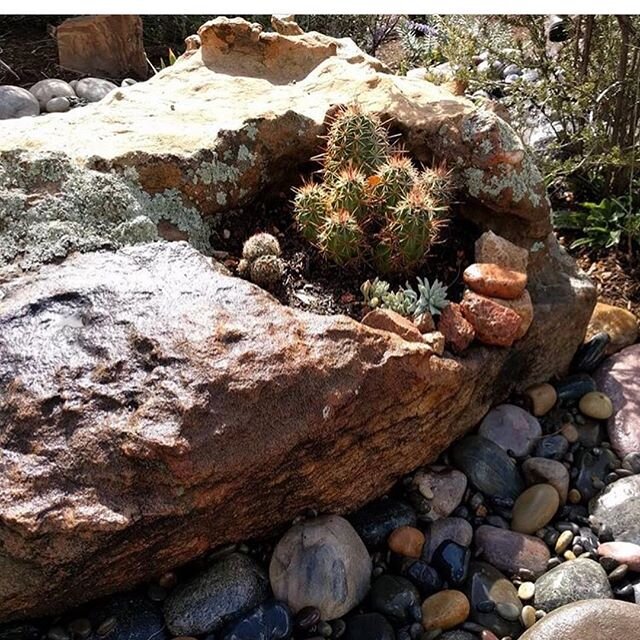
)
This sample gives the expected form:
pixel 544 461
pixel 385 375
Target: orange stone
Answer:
pixel 406 541
pixel 495 281
pixel 494 323
pixel 388 320
pixel 445 610
pixel 523 306
pixel 458 332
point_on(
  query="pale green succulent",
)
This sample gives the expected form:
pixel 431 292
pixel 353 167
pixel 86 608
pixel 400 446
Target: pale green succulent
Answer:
pixel 431 298
pixel 374 292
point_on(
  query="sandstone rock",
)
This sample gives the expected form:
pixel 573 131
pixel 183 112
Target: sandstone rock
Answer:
pixel 286 26
pixel 435 340
pixel 387 320
pixel 16 102
pixel 588 620
pixel 620 324
pixel 619 378
pixel 424 322
pixel 495 249
pixel 457 330
pixel 321 563
pixel 109 45
pixel 523 306
pixel 45 90
pixel 495 281
pixel 94 89
pixel 494 324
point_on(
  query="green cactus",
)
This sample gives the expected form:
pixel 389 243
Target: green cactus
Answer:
pixel 260 244
pixel 355 138
pixel 349 190
pixel 341 238
pixel 310 209
pixel 438 183
pixel 394 180
pixel 266 271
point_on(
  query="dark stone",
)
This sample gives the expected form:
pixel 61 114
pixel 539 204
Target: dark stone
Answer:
pixel 396 598
pixel 591 433
pixel 592 464
pixel 369 626
pixel 590 354
pixel 452 562
pixel 268 621
pixel 488 467
pixel 227 589
pixel 375 521
pixel 422 575
pixel 572 388
pixel 307 617
pixel 20 631
pixel 552 447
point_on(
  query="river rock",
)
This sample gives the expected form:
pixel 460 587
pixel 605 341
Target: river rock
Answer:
pixel 189 429
pixel 407 541
pixel 512 428
pixel 588 620
pixel 321 563
pixel 621 326
pixel 16 102
pixel 510 551
pixel 487 584
pixel 58 105
pixel 619 378
pixel 396 598
pixel 230 587
pixel 50 88
pixel 591 353
pixel 94 89
pixel 495 281
pixel 494 323
pixel 580 579
pixel 457 529
pixel 488 467
pixel 622 552
pixel 377 520
pixel 495 249
pixel 553 447
pixel 443 487
pixel 387 320
pixel 369 626
pixel 575 386
pixel 268 621
pixel 593 466
pixel 596 405
pixel 535 508
pixel 445 610
pixel 543 398
pixel 422 575
pixel 458 332
pixel 452 562
pixel 618 507
pixel 537 470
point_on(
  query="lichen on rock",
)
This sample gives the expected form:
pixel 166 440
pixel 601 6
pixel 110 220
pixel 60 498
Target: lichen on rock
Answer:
pixel 50 207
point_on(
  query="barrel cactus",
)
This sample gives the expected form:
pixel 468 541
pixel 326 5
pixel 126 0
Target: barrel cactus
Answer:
pixel 341 238
pixel 394 180
pixel 261 261
pixel 349 190
pixel 310 206
pixel 260 244
pixel 266 271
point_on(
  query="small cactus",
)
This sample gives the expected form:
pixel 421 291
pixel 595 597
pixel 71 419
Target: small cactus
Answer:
pixel 349 190
pixel 357 139
pixel 395 179
pixel 341 238
pixel 260 244
pixel 266 271
pixel 438 183
pixel 310 206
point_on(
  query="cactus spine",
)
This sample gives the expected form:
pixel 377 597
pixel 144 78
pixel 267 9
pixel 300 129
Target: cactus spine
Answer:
pixel 341 238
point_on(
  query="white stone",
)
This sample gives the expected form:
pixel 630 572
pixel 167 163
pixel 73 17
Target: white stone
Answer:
pixel 16 102
pixel 50 88
pixel 94 89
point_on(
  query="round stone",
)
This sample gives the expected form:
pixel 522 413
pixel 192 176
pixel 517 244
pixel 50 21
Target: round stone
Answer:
pixel 543 470
pixel 618 509
pixel 563 542
pixel 445 610
pixel 535 508
pixel 588 620
pixel 451 560
pixel 508 610
pixel 623 552
pixel 231 586
pixel 422 575
pixel 528 616
pixel 543 398
pixel 596 405
pixel 443 487
pixel 526 591
pixel 492 280
pixel 50 88
pixel 395 598
pixel 269 621
pixel 455 529
pixel 511 428
pixel 94 89
pixel 553 447
pixel 375 522
pixel 570 432
pixel 574 496
pixel 407 541
pixel 321 563
pixel 16 102
pixel 58 105
pixel 369 626
pixel 580 579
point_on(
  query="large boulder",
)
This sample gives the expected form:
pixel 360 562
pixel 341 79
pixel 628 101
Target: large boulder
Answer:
pixel 152 406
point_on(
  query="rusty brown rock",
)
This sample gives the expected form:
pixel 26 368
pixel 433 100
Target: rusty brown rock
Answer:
pixel 495 249
pixel 192 409
pixel 457 330
pixel 495 281
pixel 108 45
pixel 523 306
pixel 387 320
pixel 494 323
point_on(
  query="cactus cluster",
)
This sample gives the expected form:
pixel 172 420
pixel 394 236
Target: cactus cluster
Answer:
pixel 372 204
pixel 261 261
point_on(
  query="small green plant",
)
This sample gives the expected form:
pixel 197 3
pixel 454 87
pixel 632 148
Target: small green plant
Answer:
pixel 603 225
pixel 373 204
pixel 172 59
pixel 429 298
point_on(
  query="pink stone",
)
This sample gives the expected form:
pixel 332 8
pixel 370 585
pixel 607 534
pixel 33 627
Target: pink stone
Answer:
pixel 511 428
pixel 624 552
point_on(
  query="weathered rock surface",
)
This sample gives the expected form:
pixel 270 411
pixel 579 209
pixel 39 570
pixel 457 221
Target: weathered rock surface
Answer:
pixel 620 324
pixel 144 414
pixel 588 620
pixel 108 45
